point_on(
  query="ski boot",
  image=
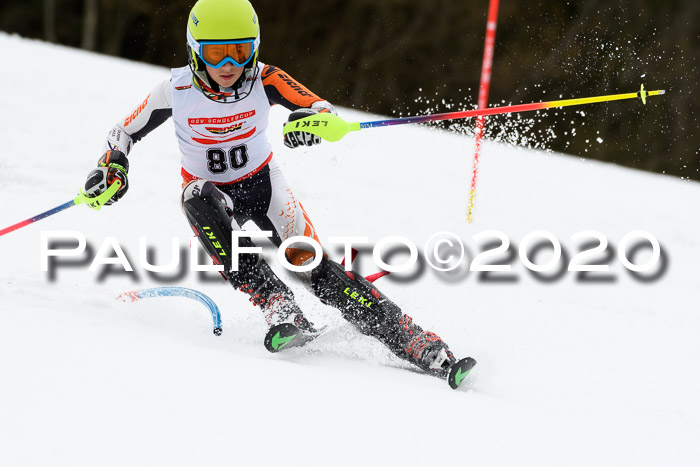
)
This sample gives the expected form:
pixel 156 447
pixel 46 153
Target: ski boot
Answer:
pixel 288 326
pixel 282 309
pixel 433 356
pixel 429 352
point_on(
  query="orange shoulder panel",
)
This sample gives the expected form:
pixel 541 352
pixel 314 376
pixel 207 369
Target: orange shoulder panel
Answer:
pixel 283 89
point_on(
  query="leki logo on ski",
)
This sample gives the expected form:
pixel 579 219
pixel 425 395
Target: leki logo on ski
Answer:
pixel 278 342
pixel 356 296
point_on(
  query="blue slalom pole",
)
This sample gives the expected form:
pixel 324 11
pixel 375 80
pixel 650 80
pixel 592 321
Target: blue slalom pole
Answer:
pixel 135 295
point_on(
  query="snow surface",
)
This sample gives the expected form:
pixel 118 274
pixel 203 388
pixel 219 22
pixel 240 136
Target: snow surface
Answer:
pixel 569 373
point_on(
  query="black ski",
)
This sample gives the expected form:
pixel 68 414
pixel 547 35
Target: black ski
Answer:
pixel 286 335
pixel 459 371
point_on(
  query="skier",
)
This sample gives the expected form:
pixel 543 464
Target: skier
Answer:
pixel 220 107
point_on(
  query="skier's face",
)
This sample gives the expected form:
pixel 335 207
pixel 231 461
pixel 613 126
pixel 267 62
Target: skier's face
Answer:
pixel 226 75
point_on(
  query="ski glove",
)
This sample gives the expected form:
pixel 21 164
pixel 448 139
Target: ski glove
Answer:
pixel 300 138
pixel 113 165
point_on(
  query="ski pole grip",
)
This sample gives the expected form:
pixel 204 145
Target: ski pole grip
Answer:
pixel 97 202
pixel 324 125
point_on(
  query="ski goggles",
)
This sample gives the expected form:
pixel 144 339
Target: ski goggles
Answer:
pixel 217 53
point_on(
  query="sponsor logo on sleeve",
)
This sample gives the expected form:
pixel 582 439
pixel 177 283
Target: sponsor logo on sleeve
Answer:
pixel 136 112
pixel 294 85
pixel 268 71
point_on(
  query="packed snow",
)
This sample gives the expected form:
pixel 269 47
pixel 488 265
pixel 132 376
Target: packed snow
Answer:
pixel 570 372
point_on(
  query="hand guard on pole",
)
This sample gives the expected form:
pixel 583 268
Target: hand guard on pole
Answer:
pixel 301 138
pixel 112 166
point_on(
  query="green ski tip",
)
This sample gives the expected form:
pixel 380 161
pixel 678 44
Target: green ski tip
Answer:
pixel 278 342
pixel 459 372
pixel 460 376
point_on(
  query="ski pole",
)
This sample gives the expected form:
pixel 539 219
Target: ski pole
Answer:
pixel 333 128
pixel 95 203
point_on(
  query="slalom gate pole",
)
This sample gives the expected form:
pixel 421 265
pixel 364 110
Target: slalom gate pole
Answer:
pixel 95 203
pixel 486 67
pixel 135 295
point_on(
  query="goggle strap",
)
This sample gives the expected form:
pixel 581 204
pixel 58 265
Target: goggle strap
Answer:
pixel 193 43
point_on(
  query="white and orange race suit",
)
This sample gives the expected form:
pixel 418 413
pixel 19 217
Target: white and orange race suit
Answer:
pixel 225 143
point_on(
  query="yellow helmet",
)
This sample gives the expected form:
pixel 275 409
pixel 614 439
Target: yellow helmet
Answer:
pixel 218 32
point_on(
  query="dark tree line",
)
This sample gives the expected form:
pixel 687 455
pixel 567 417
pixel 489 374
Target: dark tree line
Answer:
pixel 407 56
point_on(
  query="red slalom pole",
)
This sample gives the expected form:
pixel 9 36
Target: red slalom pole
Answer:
pixel 486 67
